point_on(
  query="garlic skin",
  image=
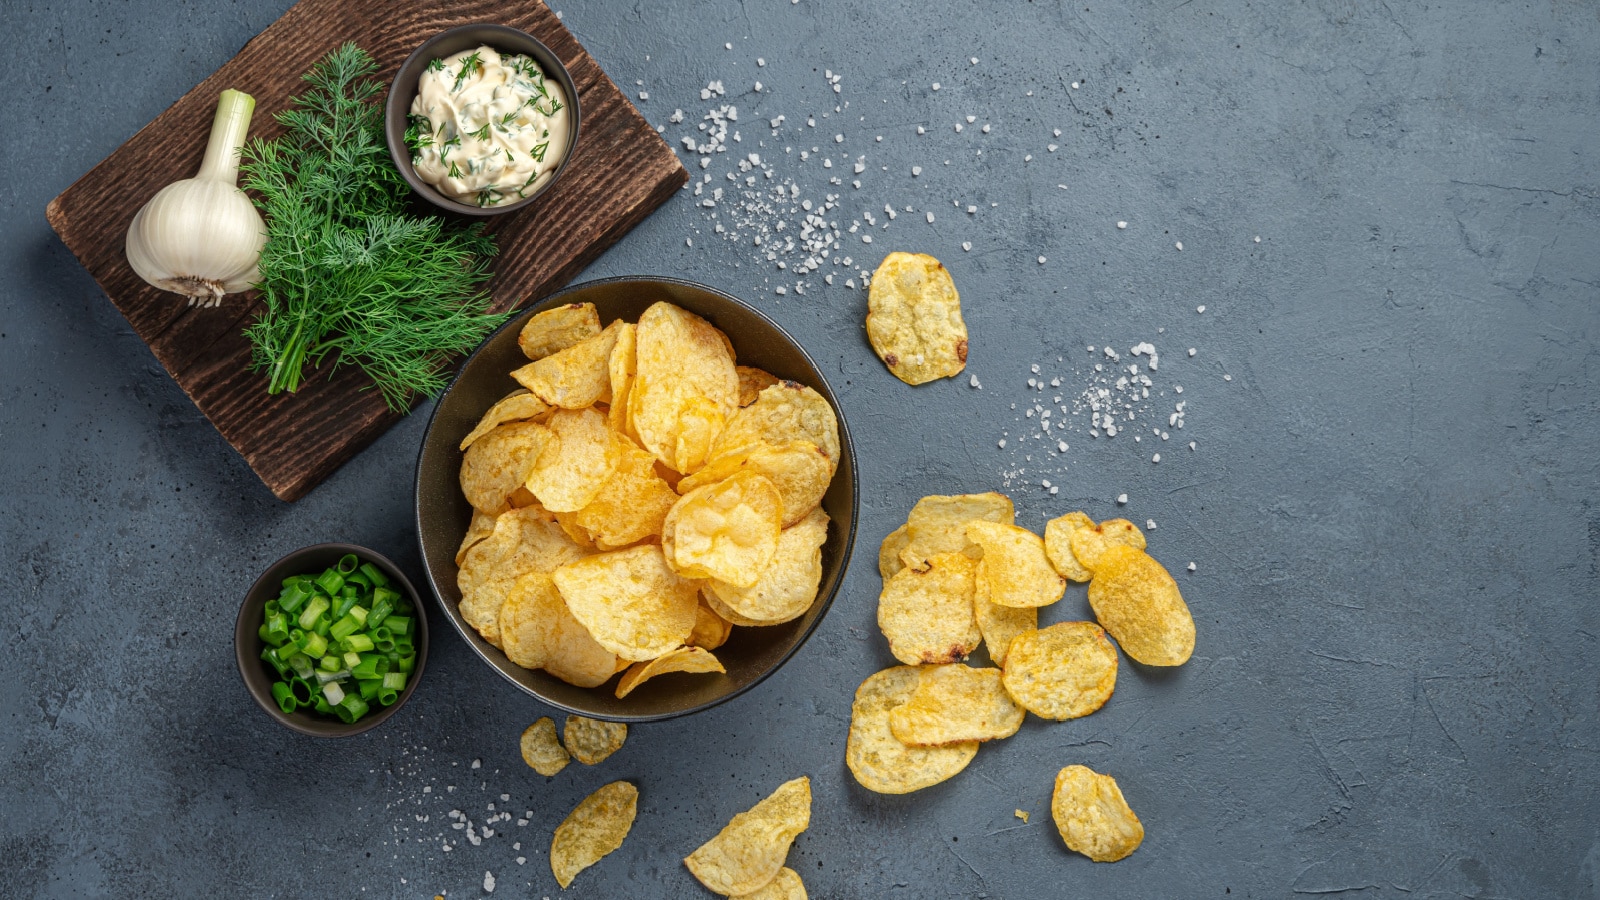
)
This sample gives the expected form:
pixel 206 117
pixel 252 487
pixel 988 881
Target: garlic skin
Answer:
pixel 202 237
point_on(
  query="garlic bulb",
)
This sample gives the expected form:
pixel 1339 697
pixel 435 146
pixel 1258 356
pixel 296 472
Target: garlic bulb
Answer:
pixel 201 237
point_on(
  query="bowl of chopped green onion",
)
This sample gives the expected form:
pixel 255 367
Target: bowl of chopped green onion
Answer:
pixel 331 640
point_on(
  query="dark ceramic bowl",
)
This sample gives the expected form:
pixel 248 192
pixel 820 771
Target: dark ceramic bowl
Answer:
pixel 404 90
pixel 751 654
pixel 258 676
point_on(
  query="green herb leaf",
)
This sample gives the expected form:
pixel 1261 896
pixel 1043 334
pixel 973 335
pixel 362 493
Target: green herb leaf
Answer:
pixel 469 64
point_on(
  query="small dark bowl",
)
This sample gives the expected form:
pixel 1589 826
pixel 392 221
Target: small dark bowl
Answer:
pixel 258 676
pixel 751 654
pixel 404 90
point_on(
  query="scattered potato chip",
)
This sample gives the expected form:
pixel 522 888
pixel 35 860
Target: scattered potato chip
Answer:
pixel 954 704
pixel 574 465
pixel 1061 672
pixel 685 387
pixel 576 377
pixel 541 750
pixel 620 368
pixel 914 318
pixel 1092 816
pixel 728 613
pixel 938 524
pixel 1014 570
pixel 631 505
pixel 1136 600
pixel 999 625
pixel 683 659
pixel 496 464
pixel 727 530
pixel 785 412
pixel 1023 815
pixel 788 585
pixel 786 885
pixel 480 527
pixel 711 630
pixel 591 741
pixel 747 854
pixel 630 601
pixel 538 631
pixel 879 760
pixel 889 552
pixel 521 542
pixel 799 470
pixel 597 826
pixel 751 383
pixel 517 406
pixel 1090 543
pixel 927 615
pixel 557 329
pixel 1058 545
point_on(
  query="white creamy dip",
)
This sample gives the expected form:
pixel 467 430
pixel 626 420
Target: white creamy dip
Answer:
pixel 490 129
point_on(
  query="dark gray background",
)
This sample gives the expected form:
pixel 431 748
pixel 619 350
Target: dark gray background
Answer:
pixel 1391 505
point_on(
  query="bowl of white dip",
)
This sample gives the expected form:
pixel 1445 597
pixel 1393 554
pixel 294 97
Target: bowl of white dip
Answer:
pixel 481 119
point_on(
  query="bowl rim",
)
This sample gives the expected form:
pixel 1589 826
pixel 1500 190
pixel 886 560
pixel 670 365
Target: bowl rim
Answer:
pixel 400 155
pixel 849 538
pixel 244 632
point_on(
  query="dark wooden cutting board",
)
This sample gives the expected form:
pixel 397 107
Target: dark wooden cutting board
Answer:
pixel 619 172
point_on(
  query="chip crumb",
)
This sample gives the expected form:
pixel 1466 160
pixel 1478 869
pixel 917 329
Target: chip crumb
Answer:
pixel 1023 815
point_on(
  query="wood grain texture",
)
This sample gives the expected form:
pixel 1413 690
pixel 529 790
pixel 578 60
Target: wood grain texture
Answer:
pixel 620 171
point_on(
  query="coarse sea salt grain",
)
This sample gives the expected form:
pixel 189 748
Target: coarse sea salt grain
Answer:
pixel 1200 309
pixel 966 245
pixel 1191 567
pixel 974 382
pixel 1122 224
pixel 1179 245
pixel 1122 499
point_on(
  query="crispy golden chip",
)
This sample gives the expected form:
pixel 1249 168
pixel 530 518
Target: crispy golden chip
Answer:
pixel 1090 543
pixel 1000 624
pixel 788 586
pixel 799 470
pixel 938 524
pixel 685 388
pixel 581 455
pixel 1058 545
pixel 954 704
pixel 481 526
pixel 631 506
pixel 517 406
pixel 557 329
pixel 621 369
pixel 752 382
pixel 727 613
pixel 1136 600
pixel 1092 816
pixel 537 631
pixel 889 551
pixel 522 542
pixel 683 659
pixel 1022 814
pixel 1062 672
pixel 522 498
pixel 541 750
pixel 879 760
pixel 786 885
pixel 727 530
pixel 597 826
pixel 1014 570
pixel 633 604
pixel 591 741
pixel 576 377
pixel 578 533
pixel 914 318
pixel 787 411
pixel 711 630
pixel 927 615
pixel 747 854
pixel 496 464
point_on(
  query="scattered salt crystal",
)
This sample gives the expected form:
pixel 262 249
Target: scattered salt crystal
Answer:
pixel 1227 378
pixel 971 210
pixel 921 130
pixel 1198 309
pixel 986 128
pixel 866 239
pixel 1122 224
pixel 1041 260
pixel 1074 85
pixel 760 61
pixel 915 171
pixel 930 218
pixel 727 46
pixel 936 85
pixel 1122 499
pixel 1156 458
pixel 1191 445
pixel 1191 351
pixel 966 245
pixel 488 877
pixel 521 860
pixel 973 60
pixel 758 87
pixel 1051 148
pixel 1055 490
pixel 1191 567
pixel 1178 244
pixel 688 242
pixel 477 764
pixel 838 139
pixel 644 95
pixel 1001 442
pixel 958 128
pixel 1150 524
pixel 1258 240
pixel 971 119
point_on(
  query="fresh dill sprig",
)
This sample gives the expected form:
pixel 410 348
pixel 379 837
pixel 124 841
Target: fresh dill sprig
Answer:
pixel 469 64
pixel 481 134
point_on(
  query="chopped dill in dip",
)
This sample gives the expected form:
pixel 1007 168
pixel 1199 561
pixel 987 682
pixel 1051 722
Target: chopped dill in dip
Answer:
pixel 487 129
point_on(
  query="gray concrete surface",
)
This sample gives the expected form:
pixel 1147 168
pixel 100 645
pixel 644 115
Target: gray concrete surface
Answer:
pixel 1392 504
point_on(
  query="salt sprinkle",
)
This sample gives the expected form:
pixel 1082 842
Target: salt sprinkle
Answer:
pixel 727 46
pixel 936 85
pixel 1191 445
pixel 966 245
pixel 1122 224
pixel 1200 309
pixel 644 95
pixel 930 218
pixel 1074 85
pixel 1122 499
pixel 986 128
pixel 1258 238
pixel 488 882
pixel 1179 245
pixel 760 61
pixel 1191 567
pixel 1227 378
pixel 1150 524
pixel 915 171
pixel 1191 351
pixel 1000 443
pixel 975 382
pixel 1156 458
pixel 1041 260
pixel 973 60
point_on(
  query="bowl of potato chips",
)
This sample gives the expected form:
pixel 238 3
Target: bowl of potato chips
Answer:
pixel 636 499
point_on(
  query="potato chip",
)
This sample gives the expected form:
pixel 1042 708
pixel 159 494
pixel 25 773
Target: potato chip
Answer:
pixel 557 329
pixel 1092 816
pixel 1136 600
pixel 685 388
pixel 1000 624
pixel 1014 570
pixel 1061 672
pixel 578 533
pixel 711 630
pixel 1090 543
pixel 478 529
pixel 576 377
pixel 787 411
pixel 914 318
pixel 752 382
pixel 799 470
pixel 631 506
pixel 727 613
pixel 668 474
pixel 894 543
pixel 954 704
pixel 727 530
pixel 747 854
pixel 786 885
pixel 496 464
pixel 788 586
pixel 621 369
pixel 537 631
pixel 597 826
pixel 581 455
pixel 927 615
pixel 522 498
pixel 633 604
pixel 938 524
pixel 683 659
pixel 879 760
pixel 541 750
pixel 522 542
pixel 517 406
pixel 1021 814
pixel 1058 545
pixel 591 741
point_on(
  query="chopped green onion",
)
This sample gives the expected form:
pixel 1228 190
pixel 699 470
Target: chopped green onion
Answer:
pixel 358 642
pixel 293 597
pixel 315 646
pixel 348 563
pixel 333 692
pixel 395 681
pixel 346 602
pixel 330 663
pixel 374 574
pixel 369 689
pixel 344 628
pixel 270 654
pixel 277 629
pixel 360 612
pixel 301 664
pixel 326 677
pixel 271 608
pixel 282 693
pixel 403 646
pixel 308 617
pixel 387 696
pixel 359 579
pixel 320 704
pixel 350 658
pixel 370 667
pixel 382 606
pixel 350 709
pixel 330 581
pixel 398 625
pixel 407 663
pixel 303 691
